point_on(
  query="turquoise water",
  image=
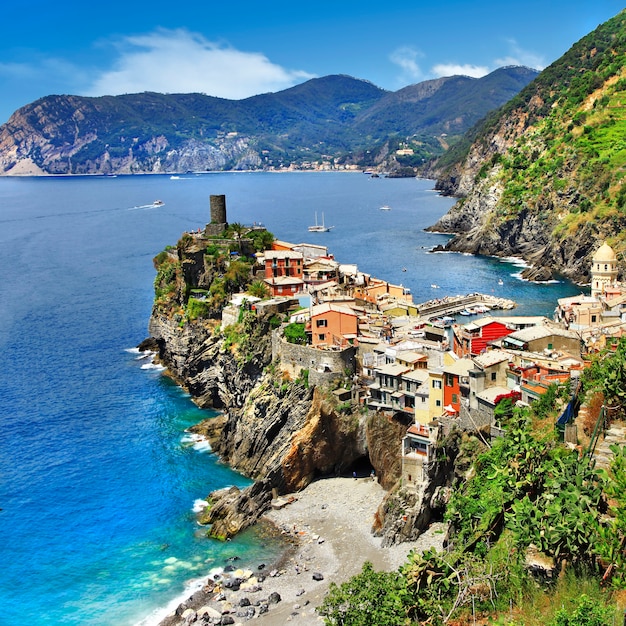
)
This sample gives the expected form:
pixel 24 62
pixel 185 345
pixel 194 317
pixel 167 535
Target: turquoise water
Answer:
pixel 98 479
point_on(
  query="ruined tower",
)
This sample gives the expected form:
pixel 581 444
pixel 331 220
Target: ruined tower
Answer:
pixel 218 222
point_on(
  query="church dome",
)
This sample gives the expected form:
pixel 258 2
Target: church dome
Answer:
pixel 604 254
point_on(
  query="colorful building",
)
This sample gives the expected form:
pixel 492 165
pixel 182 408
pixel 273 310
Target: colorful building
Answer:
pixel 456 385
pixel 471 339
pixel 283 272
pixel 333 325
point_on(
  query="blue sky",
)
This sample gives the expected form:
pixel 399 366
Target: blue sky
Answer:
pixel 238 48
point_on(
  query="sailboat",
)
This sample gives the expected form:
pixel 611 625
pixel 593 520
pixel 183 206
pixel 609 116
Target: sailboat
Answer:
pixel 319 228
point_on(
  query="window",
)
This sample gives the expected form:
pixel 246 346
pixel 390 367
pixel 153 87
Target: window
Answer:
pixel 493 375
pixel 449 380
pixel 594 318
pixel 455 398
pixel 438 403
pixel 321 323
pixel 436 384
pixel 321 337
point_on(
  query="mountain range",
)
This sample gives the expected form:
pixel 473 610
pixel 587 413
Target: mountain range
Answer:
pixel 336 119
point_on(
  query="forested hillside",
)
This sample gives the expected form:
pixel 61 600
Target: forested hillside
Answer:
pixel 336 120
pixel 543 177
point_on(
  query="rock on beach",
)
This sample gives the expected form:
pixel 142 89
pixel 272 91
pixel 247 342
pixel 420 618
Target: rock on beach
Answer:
pixel 330 525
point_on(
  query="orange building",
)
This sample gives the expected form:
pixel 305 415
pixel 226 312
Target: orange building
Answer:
pixel 283 272
pixel 333 325
pixel 456 384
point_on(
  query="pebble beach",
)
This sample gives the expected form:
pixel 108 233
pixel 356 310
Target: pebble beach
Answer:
pixel 329 525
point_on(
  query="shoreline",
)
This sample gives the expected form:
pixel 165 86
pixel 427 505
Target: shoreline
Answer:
pixel 329 525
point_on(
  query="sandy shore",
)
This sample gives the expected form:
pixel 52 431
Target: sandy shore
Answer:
pixel 331 521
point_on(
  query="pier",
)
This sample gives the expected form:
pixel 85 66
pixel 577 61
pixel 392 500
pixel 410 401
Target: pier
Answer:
pixel 452 305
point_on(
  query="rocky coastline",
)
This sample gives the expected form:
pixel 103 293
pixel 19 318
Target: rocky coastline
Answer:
pixel 327 529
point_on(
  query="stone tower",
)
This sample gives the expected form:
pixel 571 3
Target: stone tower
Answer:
pixel 603 270
pixel 218 216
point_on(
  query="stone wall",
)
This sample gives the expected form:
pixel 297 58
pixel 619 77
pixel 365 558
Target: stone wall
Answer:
pixel 469 421
pixel 324 365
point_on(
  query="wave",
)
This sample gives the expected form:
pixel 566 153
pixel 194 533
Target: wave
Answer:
pixel 197 442
pixel 518 276
pixel 158 615
pixel 153 366
pixel 199 505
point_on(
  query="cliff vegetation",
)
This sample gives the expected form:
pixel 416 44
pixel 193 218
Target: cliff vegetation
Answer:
pixel 543 177
pixel 537 533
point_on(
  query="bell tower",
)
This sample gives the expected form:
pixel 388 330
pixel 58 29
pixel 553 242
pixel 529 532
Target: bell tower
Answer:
pixel 603 270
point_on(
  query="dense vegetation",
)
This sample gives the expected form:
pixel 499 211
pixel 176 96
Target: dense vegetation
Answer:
pixel 537 534
pixel 196 278
pixel 335 117
pixel 558 149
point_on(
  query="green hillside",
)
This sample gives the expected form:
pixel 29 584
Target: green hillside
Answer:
pixel 558 148
pixel 334 118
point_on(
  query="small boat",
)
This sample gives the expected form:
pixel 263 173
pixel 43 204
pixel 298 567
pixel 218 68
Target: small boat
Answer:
pixel 319 228
pixel 465 313
pixel 433 286
pixel 500 281
pixel 385 207
pixel 174 177
pixel 158 203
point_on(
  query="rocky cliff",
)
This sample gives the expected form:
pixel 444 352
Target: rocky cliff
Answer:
pixel 279 432
pixel 542 178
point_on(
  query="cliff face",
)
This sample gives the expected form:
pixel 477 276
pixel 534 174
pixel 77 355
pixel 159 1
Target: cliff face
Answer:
pixel 67 135
pixel 542 178
pixel 279 432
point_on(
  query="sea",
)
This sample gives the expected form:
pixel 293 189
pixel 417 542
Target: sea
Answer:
pixel 99 479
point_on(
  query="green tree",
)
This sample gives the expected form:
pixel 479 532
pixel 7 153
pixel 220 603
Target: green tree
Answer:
pixel 368 599
pixel 294 333
pixel 236 231
pixel 258 289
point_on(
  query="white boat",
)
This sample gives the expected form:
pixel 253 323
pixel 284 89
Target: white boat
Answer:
pixel 158 203
pixel 500 282
pixel 174 177
pixel 319 228
pixel 385 207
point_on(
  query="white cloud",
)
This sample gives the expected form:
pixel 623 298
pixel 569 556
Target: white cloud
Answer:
pixel 456 69
pixel 178 61
pixel 519 56
pixel 516 56
pixel 406 58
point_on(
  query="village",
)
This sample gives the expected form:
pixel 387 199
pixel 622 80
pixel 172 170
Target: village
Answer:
pixel 435 365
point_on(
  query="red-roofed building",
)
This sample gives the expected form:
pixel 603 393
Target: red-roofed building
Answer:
pixel 283 272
